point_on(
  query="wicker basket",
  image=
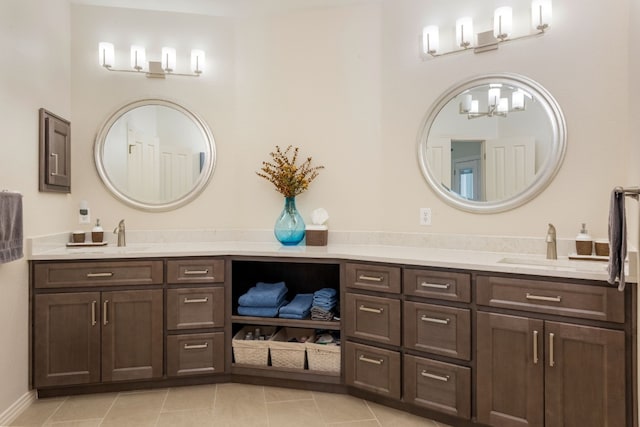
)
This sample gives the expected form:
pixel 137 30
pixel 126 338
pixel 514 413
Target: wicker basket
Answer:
pixel 252 352
pixel 286 354
pixel 323 357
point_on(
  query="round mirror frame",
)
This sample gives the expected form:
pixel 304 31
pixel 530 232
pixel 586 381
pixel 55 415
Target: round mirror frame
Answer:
pixel 547 171
pixel 200 184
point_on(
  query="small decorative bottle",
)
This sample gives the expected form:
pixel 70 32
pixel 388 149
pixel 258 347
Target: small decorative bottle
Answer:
pixel 584 242
pixel 97 233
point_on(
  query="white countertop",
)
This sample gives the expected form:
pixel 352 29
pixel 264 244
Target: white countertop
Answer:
pixel 503 262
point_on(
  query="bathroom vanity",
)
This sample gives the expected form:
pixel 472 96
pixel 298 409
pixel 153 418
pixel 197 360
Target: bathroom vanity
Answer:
pixel 449 335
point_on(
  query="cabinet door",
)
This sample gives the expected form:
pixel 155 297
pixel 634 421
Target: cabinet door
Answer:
pixel 55 153
pixel 584 376
pixel 131 335
pixel 510 367
pixel 66 339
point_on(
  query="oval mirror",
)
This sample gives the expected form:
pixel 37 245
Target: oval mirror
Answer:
pixel 492 143
pixel 154 154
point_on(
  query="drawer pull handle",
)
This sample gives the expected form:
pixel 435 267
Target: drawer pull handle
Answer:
pixel 552 361
pixel 195 346
pixel 55 163
pixel 105 317
pixel 94 275
pixel 93 313
pixel 371 310
pixel 196 272
pixel 436 285
pixel 435 320
pixel 195 300
pixel 535 347
pixel 363 358
pixel 371 278
pixel 543 298
pixel 443 378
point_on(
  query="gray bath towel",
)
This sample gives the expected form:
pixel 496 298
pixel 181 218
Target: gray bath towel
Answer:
pixel 10 226
pixel 617 238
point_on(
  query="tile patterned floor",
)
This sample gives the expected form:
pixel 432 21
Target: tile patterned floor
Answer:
pixel 228 405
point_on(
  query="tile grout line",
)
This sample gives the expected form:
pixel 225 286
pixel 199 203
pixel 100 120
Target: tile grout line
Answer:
pixel 166 396
pixel 109 410
pixel 56 410
pixel 375 417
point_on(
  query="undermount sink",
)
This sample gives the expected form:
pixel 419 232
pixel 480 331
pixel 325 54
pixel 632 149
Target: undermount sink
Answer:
pixel 557 264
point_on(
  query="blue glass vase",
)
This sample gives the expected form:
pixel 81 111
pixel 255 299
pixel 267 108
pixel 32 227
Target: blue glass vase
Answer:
pixel 289 228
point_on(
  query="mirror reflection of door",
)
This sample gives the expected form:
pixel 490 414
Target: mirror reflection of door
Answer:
pixel 143 171
pixel 510 166
pixel 467 169
pixel 439 158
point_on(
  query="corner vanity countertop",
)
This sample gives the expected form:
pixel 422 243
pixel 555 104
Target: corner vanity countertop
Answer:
pixel 502 262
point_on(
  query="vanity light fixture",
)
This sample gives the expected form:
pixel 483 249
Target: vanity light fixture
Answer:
pixel 497 106
pixel 541 13
pixel 153 69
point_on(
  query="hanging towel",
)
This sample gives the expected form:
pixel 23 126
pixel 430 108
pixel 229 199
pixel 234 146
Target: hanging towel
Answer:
pixel 260 311
pixel 299 307
pixel 264 295
pixel 617 238
pixel 10 226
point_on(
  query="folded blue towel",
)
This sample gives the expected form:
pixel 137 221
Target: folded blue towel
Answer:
pixel 300 305
pixel 294 316
pixel 325 292
pixel 260 311
pixel 264 295
pixel 326 307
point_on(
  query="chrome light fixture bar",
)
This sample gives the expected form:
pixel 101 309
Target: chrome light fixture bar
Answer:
pixel 154 69
pixel 497 106
pixel 541 13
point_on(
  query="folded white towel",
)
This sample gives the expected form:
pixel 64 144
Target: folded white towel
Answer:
pixel 617 238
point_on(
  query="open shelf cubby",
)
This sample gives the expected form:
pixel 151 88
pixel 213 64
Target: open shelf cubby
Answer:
pixel 299 276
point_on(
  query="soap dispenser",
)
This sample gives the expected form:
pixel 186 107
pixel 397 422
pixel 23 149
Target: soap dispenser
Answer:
pixel 584 242
pixel 97 233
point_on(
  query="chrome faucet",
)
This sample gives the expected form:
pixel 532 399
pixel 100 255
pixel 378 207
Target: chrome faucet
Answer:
pixel 552 251
pixel 120 231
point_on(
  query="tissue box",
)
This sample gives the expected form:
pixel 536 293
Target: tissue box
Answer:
pixel 317 235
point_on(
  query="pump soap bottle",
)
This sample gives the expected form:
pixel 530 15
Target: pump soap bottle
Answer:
pixel 584 242
pixel 97 233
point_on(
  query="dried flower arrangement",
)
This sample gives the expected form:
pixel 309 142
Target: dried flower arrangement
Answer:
pixel 288 178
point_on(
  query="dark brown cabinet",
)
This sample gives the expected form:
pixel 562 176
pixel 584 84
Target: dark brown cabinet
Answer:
pixel 55 153
pixel 66 339
pixel 532 372
pixel 92 337
pixel 131 335
pixel 196 317
pixel 373 369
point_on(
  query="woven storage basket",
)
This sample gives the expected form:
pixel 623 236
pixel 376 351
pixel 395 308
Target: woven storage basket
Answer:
pixel 289 354
pixel 323 357
pixel 252 352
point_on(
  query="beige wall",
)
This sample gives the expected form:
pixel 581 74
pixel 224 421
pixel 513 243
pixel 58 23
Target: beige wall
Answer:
pixel 345 84
pixel 34 73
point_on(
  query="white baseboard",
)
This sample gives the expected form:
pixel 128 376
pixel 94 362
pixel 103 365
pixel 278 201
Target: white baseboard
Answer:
pixel 17 408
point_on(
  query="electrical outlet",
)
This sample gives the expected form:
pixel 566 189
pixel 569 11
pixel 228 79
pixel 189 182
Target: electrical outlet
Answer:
pixel 84 218
pixel 425 216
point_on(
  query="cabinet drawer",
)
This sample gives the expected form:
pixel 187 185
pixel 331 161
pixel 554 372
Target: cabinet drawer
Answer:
pixel 195 308
pixel 438 329
pixel 373 369
pixel 437 284
pixel 565 299
pixel 206 270
pixel 373 277
pixel 195 354
pixel 97 273
pixel 373 318
pixel 440 386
